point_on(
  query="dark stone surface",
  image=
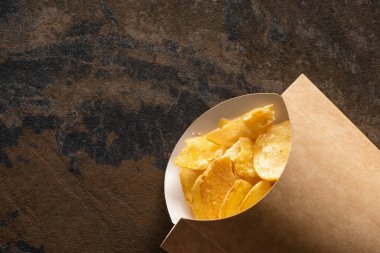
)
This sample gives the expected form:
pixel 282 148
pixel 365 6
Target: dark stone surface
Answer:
pixel 95 94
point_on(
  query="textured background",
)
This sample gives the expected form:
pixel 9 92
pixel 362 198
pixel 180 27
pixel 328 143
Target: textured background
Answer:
pixel 95 94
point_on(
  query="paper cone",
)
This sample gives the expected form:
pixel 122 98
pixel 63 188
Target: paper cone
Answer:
pixel 207 122
pixel 327 199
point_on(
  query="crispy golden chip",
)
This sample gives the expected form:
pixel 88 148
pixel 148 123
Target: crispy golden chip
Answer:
pixel 197 205
pixel 252 180
pixel 244 161
pixel 250 125
pixel 255 195
pixel 211 187
pixel 229 133
pixel 198 153
pixel 234 198
pixel 241 153
pixel 271 151
pixel 223 122
pixel 258 120
pixel 188 178
pixel 233 151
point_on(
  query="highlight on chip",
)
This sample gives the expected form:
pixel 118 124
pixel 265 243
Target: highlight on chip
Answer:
pixel 229 133
pixel 255 195
pixel 234 198
pixel 198 153
pixel 244 161
pixel 258 120
pixel 271 151
pixel 233 151
pixel 241 153
pixel 211 188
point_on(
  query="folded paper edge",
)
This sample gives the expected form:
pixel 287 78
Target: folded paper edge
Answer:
pixel 171 244
pixel 304 80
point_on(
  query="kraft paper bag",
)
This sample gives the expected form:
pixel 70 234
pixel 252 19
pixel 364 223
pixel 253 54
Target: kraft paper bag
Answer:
pixel 327 199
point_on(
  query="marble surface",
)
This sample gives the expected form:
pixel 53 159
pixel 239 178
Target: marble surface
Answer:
pixel 95 94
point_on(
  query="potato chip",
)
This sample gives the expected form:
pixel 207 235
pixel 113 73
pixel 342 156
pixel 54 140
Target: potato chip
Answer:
pixel 250 125
pixel 229 133
pixel 233 151
pixel 197 203
pixel 211 187
pixel 188 178
pixel 241 153
pixel 234 198
pixel 198 153
pixel 252 180
pixel 258 120
pixel 244 161
pixel 223 122
pixel 271 151
pixel 255 195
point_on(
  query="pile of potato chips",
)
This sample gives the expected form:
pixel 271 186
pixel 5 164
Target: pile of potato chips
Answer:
pixel 231 168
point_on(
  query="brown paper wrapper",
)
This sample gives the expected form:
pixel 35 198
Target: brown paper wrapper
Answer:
pixel 327 200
